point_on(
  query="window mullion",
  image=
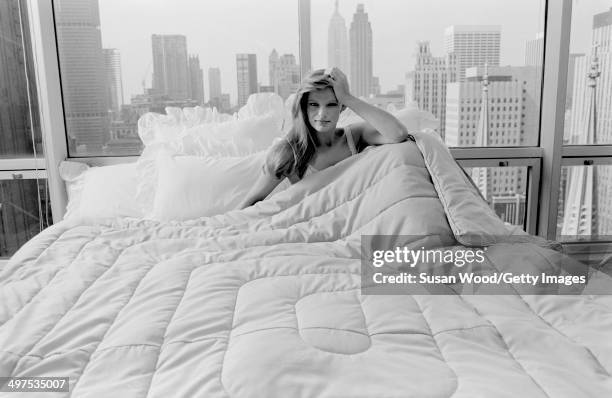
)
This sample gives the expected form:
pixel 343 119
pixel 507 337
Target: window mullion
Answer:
pixel 556 58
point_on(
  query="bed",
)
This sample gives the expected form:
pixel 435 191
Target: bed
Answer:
pixel 268 302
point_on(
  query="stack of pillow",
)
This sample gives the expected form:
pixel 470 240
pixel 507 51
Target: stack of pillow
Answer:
pixel 196 162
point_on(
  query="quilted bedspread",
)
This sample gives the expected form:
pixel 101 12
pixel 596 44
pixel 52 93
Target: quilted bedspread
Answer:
pixel 266 302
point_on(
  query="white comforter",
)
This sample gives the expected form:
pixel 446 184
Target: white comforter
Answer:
pixel 266 302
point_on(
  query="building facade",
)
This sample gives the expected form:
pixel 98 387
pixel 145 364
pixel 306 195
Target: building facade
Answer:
pixel 305 37
pixel 114 81
pixel 196 80
pixel 427 83
pixel 171 66
pixel 83 75
pixel 361 53
pixel 214 85
pixel 473 45
pixel 284 74
pixel 246 69
pixel 337 43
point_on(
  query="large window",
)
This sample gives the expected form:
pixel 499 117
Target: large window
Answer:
pixel 475 65
pixel 24 198
pixel 119 60
pixel 585 210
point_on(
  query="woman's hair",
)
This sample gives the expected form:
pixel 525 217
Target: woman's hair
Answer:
pixel 293 152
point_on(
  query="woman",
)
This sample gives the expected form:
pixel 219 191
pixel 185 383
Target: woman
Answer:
pixel 314 142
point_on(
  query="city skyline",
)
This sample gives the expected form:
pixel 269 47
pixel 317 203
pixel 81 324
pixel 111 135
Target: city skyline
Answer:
pixel 279 31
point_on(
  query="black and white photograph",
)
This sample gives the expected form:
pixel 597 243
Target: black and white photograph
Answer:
pixel 306 198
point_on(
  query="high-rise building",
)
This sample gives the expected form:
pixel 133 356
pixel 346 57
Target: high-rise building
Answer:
pixel 225 102
pixel 246 68
pixel 284 74
pixel 534 50
pixel 494 107
pixel 114 83
pixel 214 84
pixel 581 206
pixel 513 111
pixel 337 43
pixel 473 45
pixel 81 58
pixel 171 66
pixel 273 62
pixel 305 37
pixel 427 83
pixel 571 73
pixel 361 53
pixel 196 80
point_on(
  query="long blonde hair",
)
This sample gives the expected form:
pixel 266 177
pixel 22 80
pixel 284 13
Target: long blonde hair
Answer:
pixel 292 154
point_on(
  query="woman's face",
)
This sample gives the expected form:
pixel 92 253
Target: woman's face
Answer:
pixel 323 110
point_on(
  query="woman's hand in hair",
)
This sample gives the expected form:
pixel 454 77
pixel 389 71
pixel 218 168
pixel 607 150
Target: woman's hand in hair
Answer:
pixel 339 83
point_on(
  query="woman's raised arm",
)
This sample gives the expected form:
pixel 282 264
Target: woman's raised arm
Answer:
pixel 380 127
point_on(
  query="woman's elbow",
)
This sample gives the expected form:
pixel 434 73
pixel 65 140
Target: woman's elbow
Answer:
pixel 401 134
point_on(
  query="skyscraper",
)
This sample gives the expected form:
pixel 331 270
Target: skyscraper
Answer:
pixel 473 45
pixel 83 78
pixel 214 84
pixel 427 83
pixel 581 206
pixel 196 80
pixel 170 66
pixel 246 68
pixel 361 53
pixel 273 62
pixel 494 107
pixel 534 50
pixel 305 36
pixel 114 83
pixel 285 74
pixel 337 43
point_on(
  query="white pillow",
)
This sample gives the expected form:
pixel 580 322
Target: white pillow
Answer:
pixel 98 192
pixel 205 131
pixel 232 138
pixel 190 187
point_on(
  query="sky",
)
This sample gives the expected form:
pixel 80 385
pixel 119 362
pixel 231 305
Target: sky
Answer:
pixel 218 30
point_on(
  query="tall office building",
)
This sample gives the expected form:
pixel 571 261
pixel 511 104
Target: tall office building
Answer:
pixel 305 37
pixel 214 85
pixel 534 50
pixel 171 66
pixel 581 206
pixel 571 74
pixel 246 68
pixel 83 76
pixel 196 80
pixel 114 83
pixel 361 53
pixel 284 74
pixel 473 45
pixel 337 43
pixel 514 113
pixel 494 107
pixel 427 83
pixel 273 62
